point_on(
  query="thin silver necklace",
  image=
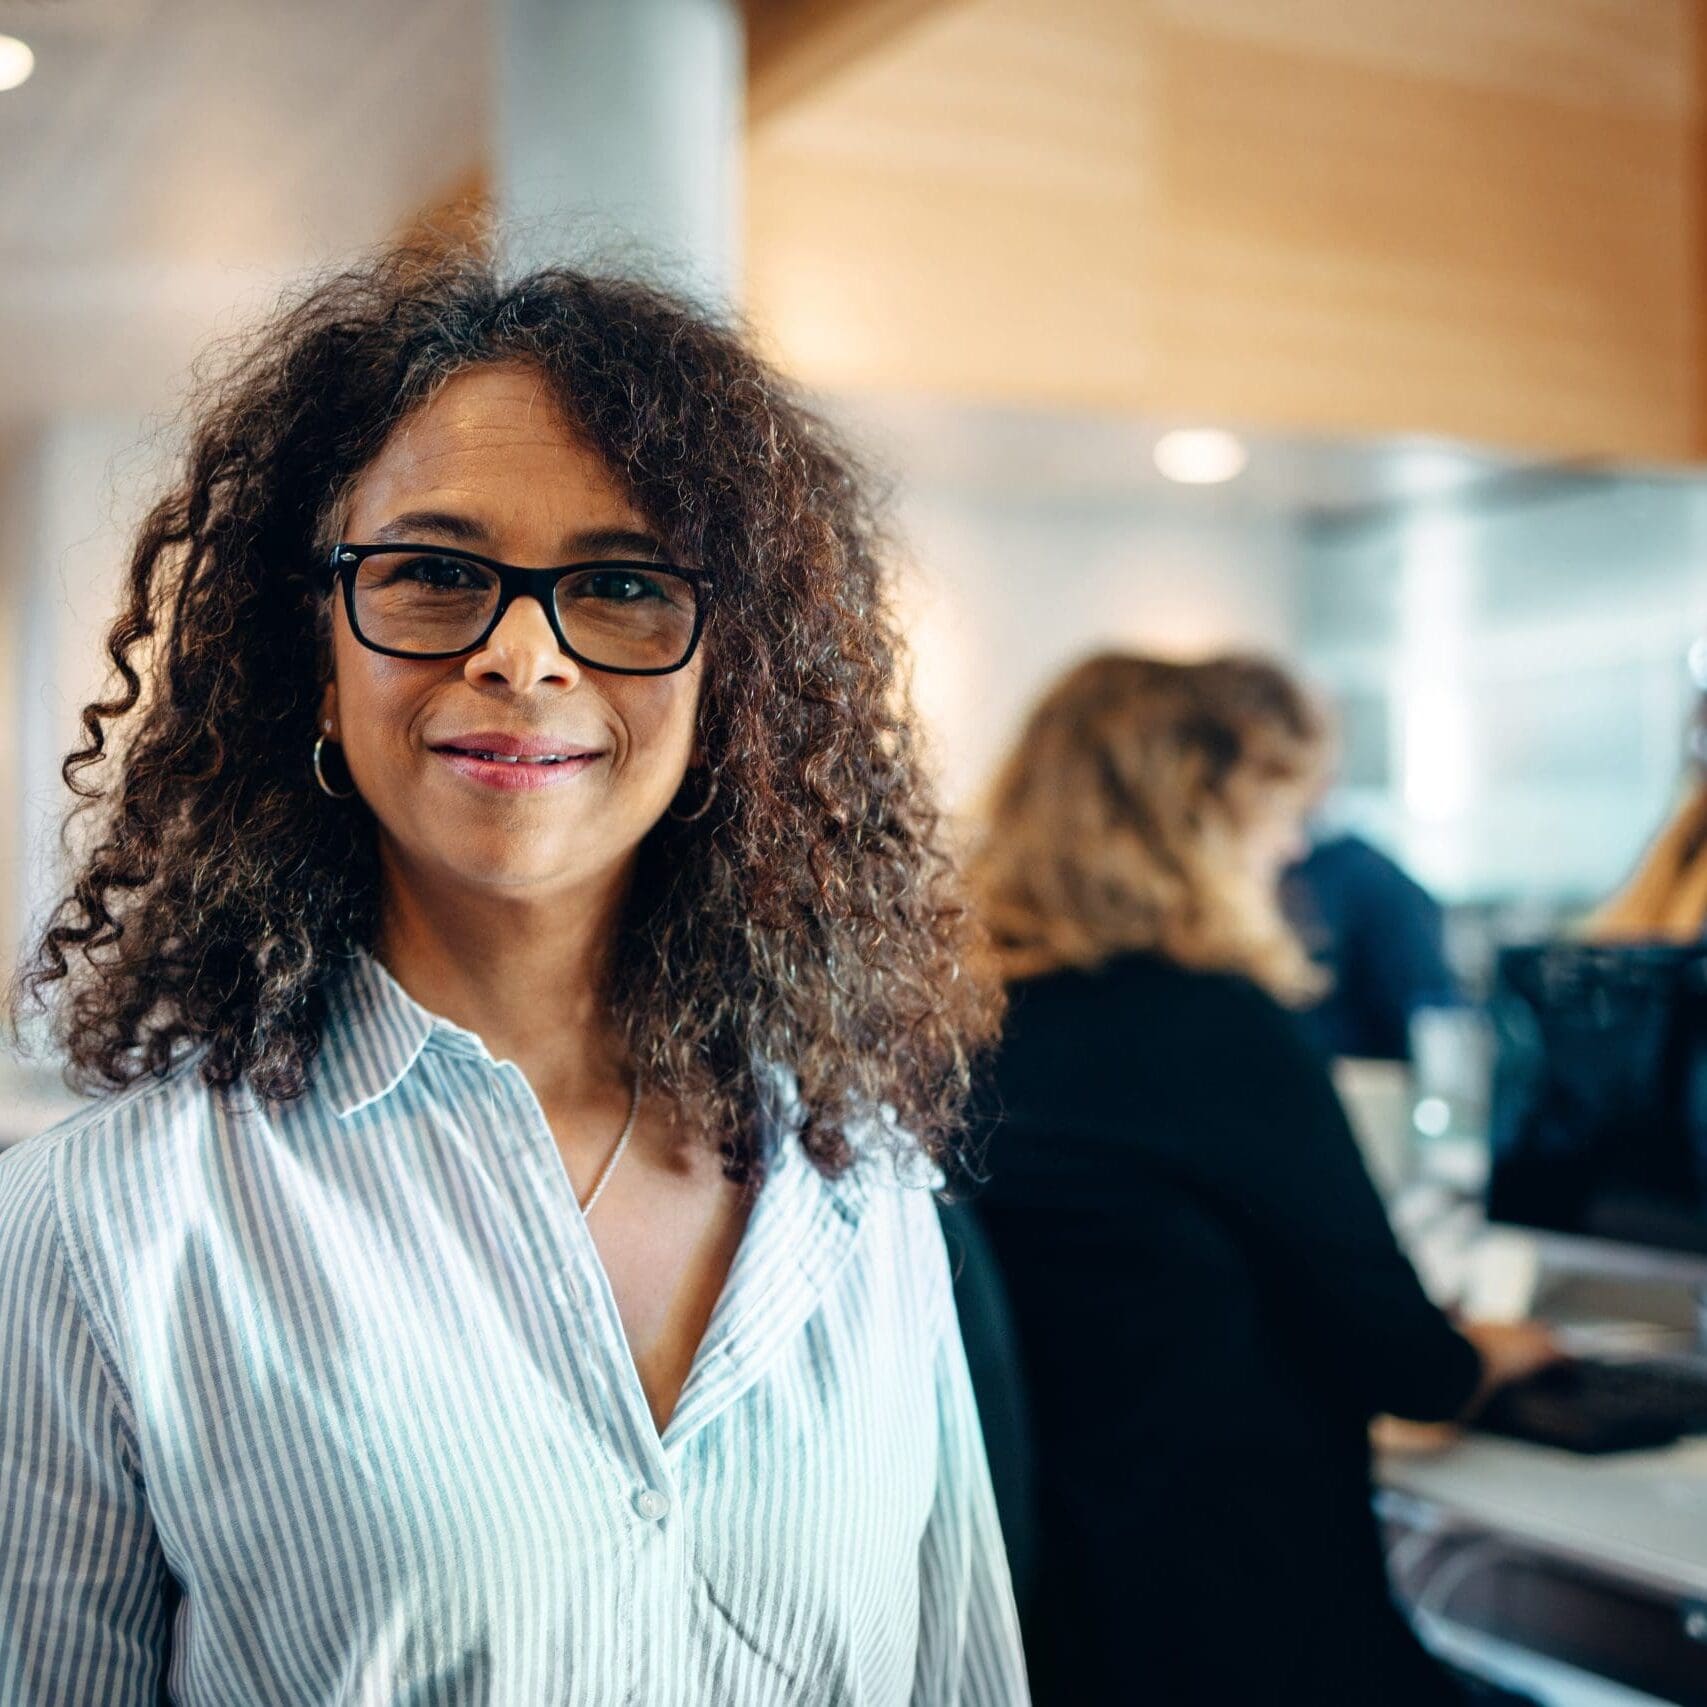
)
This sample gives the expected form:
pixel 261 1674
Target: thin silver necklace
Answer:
pixel 616 1154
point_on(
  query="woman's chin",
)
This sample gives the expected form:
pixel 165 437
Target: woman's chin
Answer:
pixel 476 850
pixel 502 863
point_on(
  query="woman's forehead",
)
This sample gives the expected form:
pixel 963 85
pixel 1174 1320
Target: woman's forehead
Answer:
pixel 491 410
pixel 494 437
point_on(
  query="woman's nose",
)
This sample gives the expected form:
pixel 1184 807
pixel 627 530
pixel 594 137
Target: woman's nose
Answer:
pixel 523 649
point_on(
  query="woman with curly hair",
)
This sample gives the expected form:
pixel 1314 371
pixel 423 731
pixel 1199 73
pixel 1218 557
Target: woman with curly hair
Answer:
pixel 518 947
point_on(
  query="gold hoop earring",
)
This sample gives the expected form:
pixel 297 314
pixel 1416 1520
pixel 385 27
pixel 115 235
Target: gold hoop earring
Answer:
pixel 320 775
pixel 704 806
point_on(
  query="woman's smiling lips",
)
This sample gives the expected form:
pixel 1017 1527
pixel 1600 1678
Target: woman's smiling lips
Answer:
pixel 502 761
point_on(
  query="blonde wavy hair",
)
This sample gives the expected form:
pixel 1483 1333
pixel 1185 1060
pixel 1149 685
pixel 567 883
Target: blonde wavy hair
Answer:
pixel 1665 898
pixel 1118 823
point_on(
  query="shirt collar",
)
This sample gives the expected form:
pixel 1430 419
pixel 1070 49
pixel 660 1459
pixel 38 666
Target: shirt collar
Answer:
pixel 782 1114
pixel 373 1033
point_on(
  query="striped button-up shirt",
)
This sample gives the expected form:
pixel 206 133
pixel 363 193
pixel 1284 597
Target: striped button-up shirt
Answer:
pixel 328 1400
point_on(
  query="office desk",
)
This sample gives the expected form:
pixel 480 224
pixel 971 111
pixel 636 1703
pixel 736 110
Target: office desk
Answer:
pixel 1630 1529
pixel 1640 1514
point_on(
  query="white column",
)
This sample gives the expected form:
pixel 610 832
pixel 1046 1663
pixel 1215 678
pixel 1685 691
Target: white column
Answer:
pixel 619 136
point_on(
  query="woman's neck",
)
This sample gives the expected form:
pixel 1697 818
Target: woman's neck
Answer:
pixel 529 979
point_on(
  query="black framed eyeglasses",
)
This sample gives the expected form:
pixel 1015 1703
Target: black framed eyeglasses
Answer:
pixel 631 617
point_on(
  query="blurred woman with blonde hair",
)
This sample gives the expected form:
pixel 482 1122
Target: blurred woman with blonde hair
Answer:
pixel 1152 805
pixel 1209 1303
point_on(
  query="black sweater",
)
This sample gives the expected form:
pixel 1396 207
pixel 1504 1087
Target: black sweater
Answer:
pixel 1210 1307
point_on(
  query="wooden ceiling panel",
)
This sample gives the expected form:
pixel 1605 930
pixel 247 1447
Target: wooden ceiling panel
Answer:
pixel 1439 255
pixel 1614 54
pixel 1472 220
pixel 939 217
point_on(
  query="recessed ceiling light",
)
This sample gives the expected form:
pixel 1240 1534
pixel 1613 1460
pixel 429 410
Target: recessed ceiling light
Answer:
pixel 1200 456
pixel 16 62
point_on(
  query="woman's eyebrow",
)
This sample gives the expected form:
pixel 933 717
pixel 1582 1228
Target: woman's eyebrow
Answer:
pixel 620 542
pixel 411 524
pixel 467 530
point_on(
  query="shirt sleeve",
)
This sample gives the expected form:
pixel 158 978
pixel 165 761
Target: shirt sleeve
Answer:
pixel 82 1580
pixel 969 1641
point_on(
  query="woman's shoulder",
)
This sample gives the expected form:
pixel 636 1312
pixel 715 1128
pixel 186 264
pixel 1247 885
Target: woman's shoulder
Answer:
pixel 1136 970
pixel 890 1192
pixel 148 1100
pixel 1143 1053
pixel 1152 999
pixel 882 1155
pixel 1243 1002
pixel 114 1163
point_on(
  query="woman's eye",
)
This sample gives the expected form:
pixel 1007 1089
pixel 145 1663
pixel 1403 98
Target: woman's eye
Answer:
pixel 621 585
pixel 434 572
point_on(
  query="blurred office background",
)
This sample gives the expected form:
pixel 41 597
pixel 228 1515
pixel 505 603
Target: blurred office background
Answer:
pixel 1367 334
pixel 1438 269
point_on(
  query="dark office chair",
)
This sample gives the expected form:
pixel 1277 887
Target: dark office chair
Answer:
pixel 993 1357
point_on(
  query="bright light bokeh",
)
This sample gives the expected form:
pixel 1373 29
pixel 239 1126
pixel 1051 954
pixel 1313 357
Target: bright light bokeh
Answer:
pixel 16 62
pixel 1200 456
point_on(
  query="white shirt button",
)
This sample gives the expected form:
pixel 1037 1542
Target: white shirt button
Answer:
pixel 651 1504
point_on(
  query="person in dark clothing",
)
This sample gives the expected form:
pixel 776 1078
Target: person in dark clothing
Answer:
pixel 1378 934
pixel 1209 1303
pixel 998 1384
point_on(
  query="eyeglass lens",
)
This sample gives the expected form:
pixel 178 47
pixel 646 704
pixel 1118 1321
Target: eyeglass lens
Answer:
pixel 630 616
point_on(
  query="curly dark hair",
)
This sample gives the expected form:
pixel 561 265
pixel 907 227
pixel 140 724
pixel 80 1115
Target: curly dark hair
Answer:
pixel 812 918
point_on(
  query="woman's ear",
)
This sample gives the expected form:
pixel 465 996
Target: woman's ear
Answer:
pixel 327 722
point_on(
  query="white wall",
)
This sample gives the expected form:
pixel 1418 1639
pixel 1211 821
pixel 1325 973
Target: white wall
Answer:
pixel 1001 597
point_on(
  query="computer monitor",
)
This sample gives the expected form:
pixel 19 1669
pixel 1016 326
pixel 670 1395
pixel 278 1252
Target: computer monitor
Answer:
pixel 1598 1106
